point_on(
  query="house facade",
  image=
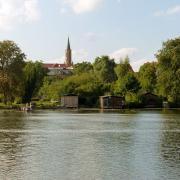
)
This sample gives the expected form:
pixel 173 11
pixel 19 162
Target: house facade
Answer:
pixel 61 70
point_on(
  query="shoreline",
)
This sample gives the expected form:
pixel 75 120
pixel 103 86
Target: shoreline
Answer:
pixel 83 109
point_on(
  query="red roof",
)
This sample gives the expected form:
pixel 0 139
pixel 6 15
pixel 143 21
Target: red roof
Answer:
pixel 55 65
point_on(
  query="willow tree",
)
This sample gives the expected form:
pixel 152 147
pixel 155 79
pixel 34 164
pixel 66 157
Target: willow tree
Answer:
pixel 34 74
pixel 11 70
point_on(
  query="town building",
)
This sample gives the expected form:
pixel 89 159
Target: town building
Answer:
pixel 61 70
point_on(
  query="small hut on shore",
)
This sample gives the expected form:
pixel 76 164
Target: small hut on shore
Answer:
pixel 111 102
pixel 70 101
pixel 150 100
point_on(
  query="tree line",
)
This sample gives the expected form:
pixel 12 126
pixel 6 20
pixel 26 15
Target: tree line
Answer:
pixel 22 80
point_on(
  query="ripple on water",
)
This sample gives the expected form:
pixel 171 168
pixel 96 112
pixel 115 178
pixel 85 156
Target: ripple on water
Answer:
pixel 59 145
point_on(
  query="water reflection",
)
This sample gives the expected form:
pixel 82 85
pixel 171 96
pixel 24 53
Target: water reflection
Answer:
pixel 170 140
pixel 11 144
pixel 84 145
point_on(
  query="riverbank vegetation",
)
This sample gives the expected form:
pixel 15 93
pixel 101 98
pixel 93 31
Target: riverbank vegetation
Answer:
pixel 22 81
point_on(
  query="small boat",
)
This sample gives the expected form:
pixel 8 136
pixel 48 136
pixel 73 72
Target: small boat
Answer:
pixel 27 108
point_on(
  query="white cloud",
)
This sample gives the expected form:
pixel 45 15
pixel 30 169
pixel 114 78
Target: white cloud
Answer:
pixel 122 53
pixel 136 64
pixel 82 6
pixel 170 11
pixel 174 10
pixel 133 54
pixel 13 12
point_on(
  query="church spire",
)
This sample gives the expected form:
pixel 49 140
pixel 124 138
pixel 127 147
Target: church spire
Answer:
pixel 68 55
pixel 68 45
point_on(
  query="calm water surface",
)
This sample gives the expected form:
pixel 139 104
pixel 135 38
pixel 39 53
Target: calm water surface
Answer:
pixel 137 145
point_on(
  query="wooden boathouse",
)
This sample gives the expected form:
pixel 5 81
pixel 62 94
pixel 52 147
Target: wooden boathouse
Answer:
pixel 150 100
pixel 111 102
pixel 70 101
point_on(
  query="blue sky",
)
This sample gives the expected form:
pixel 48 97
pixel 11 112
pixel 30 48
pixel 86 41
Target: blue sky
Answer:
pixel 96 27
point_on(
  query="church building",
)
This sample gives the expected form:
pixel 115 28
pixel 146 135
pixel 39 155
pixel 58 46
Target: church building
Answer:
pixel 61 70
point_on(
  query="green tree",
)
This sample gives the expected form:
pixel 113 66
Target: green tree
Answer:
pixel 51 88
pixel 34 74
pixel 126 84
pixel 104 69
pixel 85 85
pixel 82 67
pixel 168 79
pixel 127 81
pixel 123 68
pixel 147 76
pixel 11 70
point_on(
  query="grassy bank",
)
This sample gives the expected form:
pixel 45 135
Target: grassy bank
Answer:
pixel 38 105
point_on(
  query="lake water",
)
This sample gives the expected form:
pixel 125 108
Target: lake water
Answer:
pixel 90 145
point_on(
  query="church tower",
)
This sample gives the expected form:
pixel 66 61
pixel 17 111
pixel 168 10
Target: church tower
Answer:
pixel 68 61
